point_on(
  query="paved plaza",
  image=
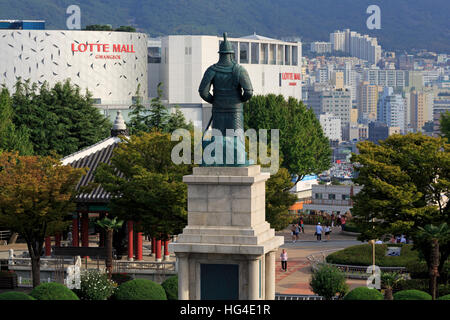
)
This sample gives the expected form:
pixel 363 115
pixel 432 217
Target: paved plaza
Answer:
pixel 295 281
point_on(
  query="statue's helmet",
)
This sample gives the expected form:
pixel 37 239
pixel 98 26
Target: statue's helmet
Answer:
pixel 225 46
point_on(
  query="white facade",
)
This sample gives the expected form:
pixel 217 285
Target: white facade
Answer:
pixel 110 65
pixel 337 40
pixel 273 66
pixel 331 126
pixel 320 47
pixel 361 46
pixel 391 109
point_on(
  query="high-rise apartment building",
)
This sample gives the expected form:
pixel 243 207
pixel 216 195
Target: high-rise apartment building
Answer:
pixel 337 40
pixel 418 101
pixel 386 78
pixel 337 79
pixel 331 126
pixel 391 109
pixel 367 101
pixel 320 47
pixel 336 102
pixel 361 46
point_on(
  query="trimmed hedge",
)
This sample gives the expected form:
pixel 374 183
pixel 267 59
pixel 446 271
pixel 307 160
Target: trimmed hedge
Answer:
pixel 412 295
pixel 361 255
pixel 140 289
pixel 170 285
pixel 364 293
pixel 53 291
pixel 13 295
pixel 446 297
pixel 120 278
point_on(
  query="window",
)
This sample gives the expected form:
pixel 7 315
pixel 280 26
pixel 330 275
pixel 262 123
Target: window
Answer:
pixel 264 53
pixel 273 54
pixel 318 196
pixel 287 55
pixel 243 52
pixel 255 53
pixel 331 196
pixel 280 55
pixel 294 55
pixel 234 44
pixel 96 100
pixel 345 197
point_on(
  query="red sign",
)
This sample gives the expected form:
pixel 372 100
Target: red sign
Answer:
pixel 102 47
pixel 290 76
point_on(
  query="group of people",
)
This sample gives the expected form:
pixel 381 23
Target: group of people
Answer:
pixel 299 227
pixel 296 229
pixel 320 230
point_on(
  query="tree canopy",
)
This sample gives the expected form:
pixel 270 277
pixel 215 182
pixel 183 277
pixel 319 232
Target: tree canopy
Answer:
pixel 406 181
pixel 150 188
pixel 36 194
pixel 11 138
pixel 445 125
pixel 58 119
pixel 304 148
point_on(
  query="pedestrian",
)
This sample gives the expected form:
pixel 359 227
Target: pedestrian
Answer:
pixel 332 219
pixel 284 258
pixel 296 232
pixel 343 221
pixel 327 232
pixel 293 232
pixel 302 225
pixel 319 230
pixel 402 239
pixel 338 221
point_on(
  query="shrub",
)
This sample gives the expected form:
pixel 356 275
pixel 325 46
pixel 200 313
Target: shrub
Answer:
pixel 413 284
pixel 140 289
pixel 350 227
pixel 446 297
pixel 12 295
pixel 120 278
pixel 95 286
pixel 443 289
pixel 364 293
pixel 411 295
pixel 328 281
pixel 170 285
pixel 53 291
pixel 361 255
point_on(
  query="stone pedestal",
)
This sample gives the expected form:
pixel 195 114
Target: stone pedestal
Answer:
pixel 226 231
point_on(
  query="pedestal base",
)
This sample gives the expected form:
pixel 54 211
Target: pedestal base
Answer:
pixel 227 251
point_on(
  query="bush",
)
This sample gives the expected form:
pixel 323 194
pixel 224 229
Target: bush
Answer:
pixel 411 295
pixel 350 227
pixel 328 281
pixel 53 291
pixel 170 286
pixel 364 293
pixel 446 297
pixel 443 289
pixel 12 295
pixel 140 289
pixel 120 278
pixel 361 255
pixel 413 284
pixel 95 286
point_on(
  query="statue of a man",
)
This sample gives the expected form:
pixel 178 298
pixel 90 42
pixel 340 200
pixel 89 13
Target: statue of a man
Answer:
pixel 231 88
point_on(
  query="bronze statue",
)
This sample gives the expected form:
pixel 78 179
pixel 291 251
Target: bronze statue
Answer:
pixel 231 88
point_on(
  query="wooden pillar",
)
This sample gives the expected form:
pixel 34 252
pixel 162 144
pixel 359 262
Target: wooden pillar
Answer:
pixel 158 250
pixel 153 246
pixel 85 229
pixel 75 232
pixel 48 246
pixel 102 231
pixel 166 250
pixel 139 241
pixel 58 240
pixel 130 240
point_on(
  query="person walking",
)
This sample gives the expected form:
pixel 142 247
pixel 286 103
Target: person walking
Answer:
pixel 327 232
pixel 296 232
pixel 302 225
pixel 319 230
pixel 332 219
pixel 293 233
pixel 343 223
pixel 284 258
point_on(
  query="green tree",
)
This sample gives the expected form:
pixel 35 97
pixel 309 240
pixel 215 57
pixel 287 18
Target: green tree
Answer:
pixel 11 138
pixel 58 119
pixel 435 236
pixel 388 281
pixel 303 146
pixel 99 27
pixel 126 29
pixel 157 117
pixel 150 188
pixel 405 183
pixel 279 199
pixel 109 225
pixel 445 125
pixel 36 193
pixel 328 281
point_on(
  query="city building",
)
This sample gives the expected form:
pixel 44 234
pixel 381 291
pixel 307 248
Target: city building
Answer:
pixel 367 101
pixel 336 102
pixel 22 24
pixel 331 126
pixel 274 66
pixel 421 109
pixel 385 78
pixel 111 65
pixel 441 105
pixel 303 191
pixel 332 198
pixel 337 79
pixel 320 47
pixel 357 45
pixel 391 109
pixel 337 40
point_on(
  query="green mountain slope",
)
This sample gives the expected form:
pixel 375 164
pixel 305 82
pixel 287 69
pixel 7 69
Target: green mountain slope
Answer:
pixel 405 24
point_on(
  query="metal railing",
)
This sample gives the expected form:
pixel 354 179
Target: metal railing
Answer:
pixel 300 297
pixel 4 236
pixel 120 266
